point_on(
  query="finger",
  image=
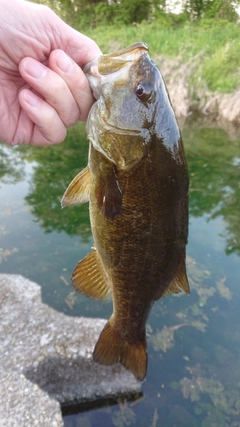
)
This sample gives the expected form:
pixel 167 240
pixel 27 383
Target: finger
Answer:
pixel 79 47
pixel 52 87
pixel 75 79
pixel 47 127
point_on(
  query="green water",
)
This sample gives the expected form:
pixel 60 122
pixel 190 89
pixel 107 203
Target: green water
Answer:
pixel 194 342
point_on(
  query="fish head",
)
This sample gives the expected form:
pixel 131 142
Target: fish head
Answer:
pixel 121 122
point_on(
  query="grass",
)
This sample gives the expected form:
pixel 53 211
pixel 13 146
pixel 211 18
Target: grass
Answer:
pixel 219 42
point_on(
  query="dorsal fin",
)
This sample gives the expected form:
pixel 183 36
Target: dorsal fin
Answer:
pixel 90 277
pixel 181 280
pixel 172 289
pixel 78 190
pixel 179 283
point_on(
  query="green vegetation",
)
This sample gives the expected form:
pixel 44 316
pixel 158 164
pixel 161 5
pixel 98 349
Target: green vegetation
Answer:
pixel 119 12
pixel 215 43
pixel 206 32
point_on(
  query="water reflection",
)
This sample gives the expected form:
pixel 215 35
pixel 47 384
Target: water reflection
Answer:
pixel 214 169
pixel 56 166
pixel 194 342
pixel 11 165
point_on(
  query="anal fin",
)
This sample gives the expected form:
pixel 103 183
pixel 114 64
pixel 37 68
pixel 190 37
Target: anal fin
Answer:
pixel 90 278
pixel 112 348
pixel 78 190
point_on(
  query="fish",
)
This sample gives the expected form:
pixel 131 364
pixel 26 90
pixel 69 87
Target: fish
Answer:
pixel 136 183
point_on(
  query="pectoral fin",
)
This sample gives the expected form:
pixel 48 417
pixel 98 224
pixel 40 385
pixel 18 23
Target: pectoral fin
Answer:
pixel 109 195
pixel 90 278
pixel 78 190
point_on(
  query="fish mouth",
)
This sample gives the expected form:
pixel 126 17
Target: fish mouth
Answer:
pixel 110 63
pixel 106 74
pixel 113 67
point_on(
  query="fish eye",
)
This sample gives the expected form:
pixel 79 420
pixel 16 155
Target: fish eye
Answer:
pixel 143 90
pixel 139 90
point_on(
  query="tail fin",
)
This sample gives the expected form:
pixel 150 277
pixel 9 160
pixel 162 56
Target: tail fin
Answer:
pixel 111 348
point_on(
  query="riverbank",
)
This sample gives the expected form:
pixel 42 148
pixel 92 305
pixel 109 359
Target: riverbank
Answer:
pixel 216 108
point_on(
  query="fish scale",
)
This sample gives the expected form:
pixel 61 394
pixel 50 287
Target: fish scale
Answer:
pixel 136 183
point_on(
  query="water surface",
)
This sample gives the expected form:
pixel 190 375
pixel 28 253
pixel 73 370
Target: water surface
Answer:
pixel 194 342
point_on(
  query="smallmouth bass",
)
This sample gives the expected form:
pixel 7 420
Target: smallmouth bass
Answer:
pixel 136 183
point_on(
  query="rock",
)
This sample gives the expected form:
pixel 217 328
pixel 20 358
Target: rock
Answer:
pixel 24 404
pixel 46 358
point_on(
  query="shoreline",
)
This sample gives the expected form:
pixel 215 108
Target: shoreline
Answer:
pixel 191 99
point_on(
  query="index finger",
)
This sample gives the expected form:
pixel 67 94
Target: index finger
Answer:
pixel 75 79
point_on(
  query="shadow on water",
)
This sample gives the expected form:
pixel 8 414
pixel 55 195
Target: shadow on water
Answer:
pixel 121 400
pixel 193 342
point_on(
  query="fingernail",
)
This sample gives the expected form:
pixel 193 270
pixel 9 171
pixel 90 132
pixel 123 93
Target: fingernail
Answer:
pixel 31 98
pixel 64 62
pixel 35 69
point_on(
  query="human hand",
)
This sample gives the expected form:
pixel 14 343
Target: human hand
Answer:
pixel 43 90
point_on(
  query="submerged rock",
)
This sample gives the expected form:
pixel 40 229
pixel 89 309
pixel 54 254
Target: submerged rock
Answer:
pixel 46 359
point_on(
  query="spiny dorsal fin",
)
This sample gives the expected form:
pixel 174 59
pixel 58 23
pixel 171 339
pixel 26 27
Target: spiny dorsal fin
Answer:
pixel 112 348
pixel 179 283
pixel 78 190
pixel 90 278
